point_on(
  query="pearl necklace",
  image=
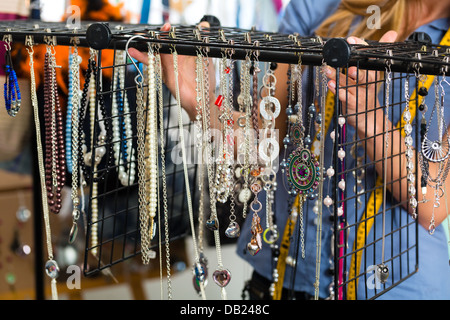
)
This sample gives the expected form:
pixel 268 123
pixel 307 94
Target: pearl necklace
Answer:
pixel 147 158
pixel 54 140
pixel 121 124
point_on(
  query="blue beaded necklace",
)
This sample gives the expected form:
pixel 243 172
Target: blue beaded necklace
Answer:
pixel 13 98
pixel 69 119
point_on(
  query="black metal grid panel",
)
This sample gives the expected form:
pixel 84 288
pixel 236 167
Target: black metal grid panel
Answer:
pixel 118 225
pixel 358 238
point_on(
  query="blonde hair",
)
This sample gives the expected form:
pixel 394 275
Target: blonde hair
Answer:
pixel 394 15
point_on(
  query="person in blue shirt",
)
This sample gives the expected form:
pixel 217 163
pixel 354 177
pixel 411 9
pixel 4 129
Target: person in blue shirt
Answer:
pixel 347 18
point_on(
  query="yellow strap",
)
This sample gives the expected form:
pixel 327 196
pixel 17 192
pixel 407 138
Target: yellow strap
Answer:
pixel 375 200
pixel 284 250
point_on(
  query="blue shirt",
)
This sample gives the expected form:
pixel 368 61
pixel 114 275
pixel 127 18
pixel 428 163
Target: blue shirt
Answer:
pixel 432 280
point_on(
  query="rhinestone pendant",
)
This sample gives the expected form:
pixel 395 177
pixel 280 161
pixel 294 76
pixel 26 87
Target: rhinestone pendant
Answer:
pixel 212 224
pixel 222 277
pixel 302 172
pixel 52 269
pixel 233 230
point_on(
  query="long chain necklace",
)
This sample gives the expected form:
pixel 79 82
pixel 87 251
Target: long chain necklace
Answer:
pixel 147 192
pixel 159 87
pixel 51 266
pixel 200 278
pixel 198 269
pixel 321 183
pixel 221 276
pixel 382 270
pixel 244 101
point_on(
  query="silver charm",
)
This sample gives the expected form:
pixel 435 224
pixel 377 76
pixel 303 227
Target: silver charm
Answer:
pixel 382 273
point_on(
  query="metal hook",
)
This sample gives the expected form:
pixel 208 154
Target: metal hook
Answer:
pixel 139 83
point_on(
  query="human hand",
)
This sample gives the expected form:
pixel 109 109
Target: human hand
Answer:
pixel 186 74
pixel 358 93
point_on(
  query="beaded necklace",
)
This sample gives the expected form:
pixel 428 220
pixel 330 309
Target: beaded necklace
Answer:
pixel 54 138
pixel 13 98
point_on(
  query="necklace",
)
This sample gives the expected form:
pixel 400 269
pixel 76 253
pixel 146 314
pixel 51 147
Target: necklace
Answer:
pixel 224 161
pixel 221 276
pixel 72 135
pixel 409 153
pixel 92 89
pixel 159 87
pixel 436 151
pixel 54 139
pixel 320 193
pixel 121 123
pixel 51 266
pixel 198 269
pixel 200 279
pixel 382 270
pixel 13 98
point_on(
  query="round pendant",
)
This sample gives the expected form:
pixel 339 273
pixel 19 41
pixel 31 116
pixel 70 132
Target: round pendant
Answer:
pixel 436 151
pixel 303 171
pixel 268 102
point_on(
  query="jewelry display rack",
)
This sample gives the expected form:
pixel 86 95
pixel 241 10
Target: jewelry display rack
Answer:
pixel 118 223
